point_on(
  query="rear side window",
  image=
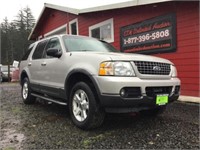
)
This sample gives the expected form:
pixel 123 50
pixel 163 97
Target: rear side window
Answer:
pixel 39 50
pixel 25 57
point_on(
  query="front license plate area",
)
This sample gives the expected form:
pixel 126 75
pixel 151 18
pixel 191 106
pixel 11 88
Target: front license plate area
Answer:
pixel 161 99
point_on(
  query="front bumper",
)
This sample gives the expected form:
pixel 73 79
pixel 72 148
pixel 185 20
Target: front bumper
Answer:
pixel 144 98
pixel 117 104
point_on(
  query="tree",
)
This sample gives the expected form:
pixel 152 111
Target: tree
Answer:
pixel 14 36
pixel 29 22
pixel 29 19
pixel 5 40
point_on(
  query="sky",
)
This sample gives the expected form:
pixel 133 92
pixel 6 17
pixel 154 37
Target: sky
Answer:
pixel 10 8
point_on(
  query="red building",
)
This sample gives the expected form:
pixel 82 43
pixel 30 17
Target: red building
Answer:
pixel 164 28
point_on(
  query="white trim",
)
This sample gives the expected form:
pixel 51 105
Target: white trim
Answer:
pixel 56 30
pixel 62 8
pixel 189 99
pixel 98 25
pixel 40 37
pixel 71 22
pixel 130 3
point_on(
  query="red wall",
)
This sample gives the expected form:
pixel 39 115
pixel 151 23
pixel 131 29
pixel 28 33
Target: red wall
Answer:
pixel 186 57
pixel 53 19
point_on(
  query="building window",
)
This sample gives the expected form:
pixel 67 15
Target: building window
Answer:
pixel 60 30
pixel 103 31
pixel 73 27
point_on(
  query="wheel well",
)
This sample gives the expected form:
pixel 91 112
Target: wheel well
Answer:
pixel 78 77
pixel 23 75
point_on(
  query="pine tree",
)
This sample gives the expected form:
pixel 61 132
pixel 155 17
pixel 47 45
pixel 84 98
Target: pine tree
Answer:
pixel 14 36
pixel 5 40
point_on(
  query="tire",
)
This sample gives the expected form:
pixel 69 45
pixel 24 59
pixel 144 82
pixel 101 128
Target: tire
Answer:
pixel 154 112
pixel 83 107
pixel 26 92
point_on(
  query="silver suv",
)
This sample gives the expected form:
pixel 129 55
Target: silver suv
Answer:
pixel 91 77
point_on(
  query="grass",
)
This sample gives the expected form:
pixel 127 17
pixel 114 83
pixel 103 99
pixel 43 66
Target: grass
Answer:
pixel 16 110
pixel 86 143
pixel 9 148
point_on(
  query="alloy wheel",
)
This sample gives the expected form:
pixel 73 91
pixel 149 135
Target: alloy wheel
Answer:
pixel 80 105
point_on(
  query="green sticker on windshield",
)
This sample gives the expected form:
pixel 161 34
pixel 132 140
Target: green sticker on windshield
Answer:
pixel 161 99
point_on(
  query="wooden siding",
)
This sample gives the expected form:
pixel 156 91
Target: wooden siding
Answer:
pixel 55 19
pixel 186 57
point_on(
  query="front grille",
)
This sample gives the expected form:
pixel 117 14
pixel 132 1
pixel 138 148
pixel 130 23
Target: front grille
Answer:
pixel 153 91
pixel 153 68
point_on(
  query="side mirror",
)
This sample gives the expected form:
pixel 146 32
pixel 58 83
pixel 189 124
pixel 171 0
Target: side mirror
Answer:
pixel 54 52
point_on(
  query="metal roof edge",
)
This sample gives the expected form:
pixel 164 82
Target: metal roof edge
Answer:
pixel 62 8
pixel 121 5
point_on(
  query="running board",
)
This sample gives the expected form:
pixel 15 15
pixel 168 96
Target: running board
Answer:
pixel 48 99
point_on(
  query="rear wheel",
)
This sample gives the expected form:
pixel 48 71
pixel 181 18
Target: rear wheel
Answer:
pixel 26 92
pixel 84 109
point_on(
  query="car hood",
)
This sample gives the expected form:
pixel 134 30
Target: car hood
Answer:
pixel 132 57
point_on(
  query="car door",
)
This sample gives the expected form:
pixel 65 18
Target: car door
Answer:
pixel 35 64
pixel 51 69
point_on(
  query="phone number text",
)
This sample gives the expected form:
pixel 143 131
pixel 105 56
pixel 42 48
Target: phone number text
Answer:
pixel 147 37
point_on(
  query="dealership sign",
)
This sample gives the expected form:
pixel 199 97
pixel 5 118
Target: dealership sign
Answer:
pixel 155 35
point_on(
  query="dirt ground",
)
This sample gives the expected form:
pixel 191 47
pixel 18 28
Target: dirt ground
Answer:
pixel 48 126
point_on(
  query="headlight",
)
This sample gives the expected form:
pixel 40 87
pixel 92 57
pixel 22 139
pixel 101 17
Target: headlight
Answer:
pixel 174 71
pixel 116 69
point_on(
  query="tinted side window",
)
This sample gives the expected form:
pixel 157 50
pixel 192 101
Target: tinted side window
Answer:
pixel 25 57
pixel 53 43
pixel 39 50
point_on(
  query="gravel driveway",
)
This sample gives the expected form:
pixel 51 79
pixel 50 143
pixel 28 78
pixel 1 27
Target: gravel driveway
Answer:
pixel 48 126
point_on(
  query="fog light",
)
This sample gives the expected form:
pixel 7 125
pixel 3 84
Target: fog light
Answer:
pixel 130 92
pixel 122 92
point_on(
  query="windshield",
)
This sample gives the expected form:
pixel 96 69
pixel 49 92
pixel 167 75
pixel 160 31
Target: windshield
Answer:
pixel 75 43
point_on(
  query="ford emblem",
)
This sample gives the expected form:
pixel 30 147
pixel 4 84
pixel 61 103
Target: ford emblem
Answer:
pixel 156 68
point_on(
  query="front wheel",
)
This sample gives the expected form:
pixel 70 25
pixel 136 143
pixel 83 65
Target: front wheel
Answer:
pixel 26 92
pixel 83 106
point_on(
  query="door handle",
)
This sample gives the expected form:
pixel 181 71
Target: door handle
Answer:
pixel 43 64
pixel 29 64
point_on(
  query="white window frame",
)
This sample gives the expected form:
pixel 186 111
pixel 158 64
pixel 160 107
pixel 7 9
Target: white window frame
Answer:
pixel 102 24
pixel 71 22
pixel 56 30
